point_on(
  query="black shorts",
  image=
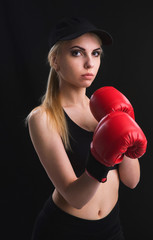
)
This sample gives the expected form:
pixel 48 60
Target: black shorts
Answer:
pixel 53 223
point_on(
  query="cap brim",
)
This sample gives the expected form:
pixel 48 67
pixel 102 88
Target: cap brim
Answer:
pixel 103 35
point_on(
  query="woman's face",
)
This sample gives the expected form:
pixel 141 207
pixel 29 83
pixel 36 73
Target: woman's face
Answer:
pixel 79 60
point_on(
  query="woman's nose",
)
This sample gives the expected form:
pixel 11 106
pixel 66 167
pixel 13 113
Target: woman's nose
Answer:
pixel 89 63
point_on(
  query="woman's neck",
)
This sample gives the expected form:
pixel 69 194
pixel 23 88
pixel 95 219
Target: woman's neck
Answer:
pixel 73 96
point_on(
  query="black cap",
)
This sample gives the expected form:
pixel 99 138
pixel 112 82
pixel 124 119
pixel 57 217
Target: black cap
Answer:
pixel 72 27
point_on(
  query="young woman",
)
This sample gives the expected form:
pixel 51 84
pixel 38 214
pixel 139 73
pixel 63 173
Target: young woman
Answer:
pixel 61 130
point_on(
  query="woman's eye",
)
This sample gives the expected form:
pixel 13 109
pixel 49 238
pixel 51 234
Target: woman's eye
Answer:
pixel 76 53
pixel 96 53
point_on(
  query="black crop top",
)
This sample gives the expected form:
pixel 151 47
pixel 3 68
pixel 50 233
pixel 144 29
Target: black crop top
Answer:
pixel 80 140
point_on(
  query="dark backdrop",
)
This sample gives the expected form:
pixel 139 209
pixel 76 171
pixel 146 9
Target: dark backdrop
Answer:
pixel 127 65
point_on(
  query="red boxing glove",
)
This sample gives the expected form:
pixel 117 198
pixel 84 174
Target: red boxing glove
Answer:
pixel 116 134
pixel 108 99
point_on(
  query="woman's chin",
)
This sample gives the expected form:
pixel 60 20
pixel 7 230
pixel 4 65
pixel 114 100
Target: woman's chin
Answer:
pixel 86 84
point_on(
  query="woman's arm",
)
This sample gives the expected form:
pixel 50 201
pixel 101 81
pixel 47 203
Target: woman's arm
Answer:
pixel 129 172
pixel 49 147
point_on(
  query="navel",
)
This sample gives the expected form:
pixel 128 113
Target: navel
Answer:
pixel 99 213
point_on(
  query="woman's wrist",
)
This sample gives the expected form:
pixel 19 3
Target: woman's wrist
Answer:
pixel 96 169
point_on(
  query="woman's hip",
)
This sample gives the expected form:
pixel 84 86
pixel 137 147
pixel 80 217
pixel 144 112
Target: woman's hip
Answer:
pixel 54 223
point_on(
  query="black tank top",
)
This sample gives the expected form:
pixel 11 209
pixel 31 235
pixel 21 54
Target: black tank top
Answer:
pixel 80 140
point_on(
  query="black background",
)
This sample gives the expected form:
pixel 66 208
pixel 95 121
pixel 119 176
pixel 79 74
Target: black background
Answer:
pixel 127 65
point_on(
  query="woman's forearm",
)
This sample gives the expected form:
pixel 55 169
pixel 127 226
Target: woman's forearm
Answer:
pixel 80 191
pixel 129 172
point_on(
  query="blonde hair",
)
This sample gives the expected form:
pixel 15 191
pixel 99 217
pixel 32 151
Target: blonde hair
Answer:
pixel 51 103
pixel 51 100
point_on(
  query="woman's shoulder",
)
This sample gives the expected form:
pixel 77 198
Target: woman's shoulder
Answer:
pixel 37 113
pixel 38 118
pixel 41 130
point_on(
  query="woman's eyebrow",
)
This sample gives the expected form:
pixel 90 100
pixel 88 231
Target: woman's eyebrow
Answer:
pixel 78 47
pixel 83 49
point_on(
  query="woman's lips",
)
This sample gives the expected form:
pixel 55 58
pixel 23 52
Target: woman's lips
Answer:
pixel 87 76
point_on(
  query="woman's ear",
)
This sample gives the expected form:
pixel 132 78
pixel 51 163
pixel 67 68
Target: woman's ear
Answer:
pixel 55 63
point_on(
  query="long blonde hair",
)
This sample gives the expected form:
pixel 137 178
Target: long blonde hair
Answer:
pixel 51 100
pixel 51 103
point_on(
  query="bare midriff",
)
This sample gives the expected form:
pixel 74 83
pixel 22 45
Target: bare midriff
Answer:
pixel 101 203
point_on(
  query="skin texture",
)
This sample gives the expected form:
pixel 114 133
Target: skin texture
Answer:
pixel 83 197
